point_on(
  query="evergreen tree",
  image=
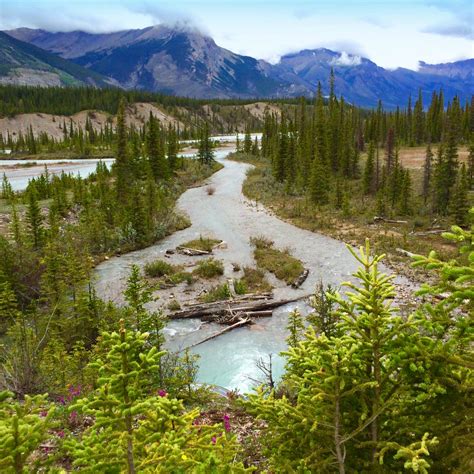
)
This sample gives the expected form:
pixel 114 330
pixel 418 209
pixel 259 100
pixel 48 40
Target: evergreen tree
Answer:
pixel 368 182
pixel 34 220
pixel 460 201
pixel 122 166
pixel 427 172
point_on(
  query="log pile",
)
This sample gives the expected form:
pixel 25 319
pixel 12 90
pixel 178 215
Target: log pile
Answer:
pixel 252 307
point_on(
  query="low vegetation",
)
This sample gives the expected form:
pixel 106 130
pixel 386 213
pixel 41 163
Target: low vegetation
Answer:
pixel 279 262
pixel 216 293
pixel 206 244
pixel 209 268
pixel 167 273
pixel 254 281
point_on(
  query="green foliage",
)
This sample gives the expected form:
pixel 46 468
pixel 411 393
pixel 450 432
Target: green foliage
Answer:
pixel 23 427
pixel 279 262
pixel 344 386
pixel 209 268
pixel 206 244
pixel 217 293
pixel 137 431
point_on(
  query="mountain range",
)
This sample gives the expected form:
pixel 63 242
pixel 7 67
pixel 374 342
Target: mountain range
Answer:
pixel 188 63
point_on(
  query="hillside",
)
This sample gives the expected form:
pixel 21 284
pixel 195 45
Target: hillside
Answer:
pixel 25 64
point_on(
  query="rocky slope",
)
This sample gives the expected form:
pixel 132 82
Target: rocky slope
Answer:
pixel 25 64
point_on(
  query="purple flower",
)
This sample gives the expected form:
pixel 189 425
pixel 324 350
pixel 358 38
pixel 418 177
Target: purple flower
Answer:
pixel 213 440
pixel 226 419
pixel 162 393
pixel 61 400
pixel 60 434
pixel 44 413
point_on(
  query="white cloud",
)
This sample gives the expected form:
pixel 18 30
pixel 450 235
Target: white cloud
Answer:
pixel 346 60
pixel 268 29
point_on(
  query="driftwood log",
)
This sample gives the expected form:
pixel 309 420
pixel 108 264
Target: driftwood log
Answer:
pixel 301 279
pixel 429 232
pixel 238 324
pixel 388 221
pixel 211 311
pixel 192 252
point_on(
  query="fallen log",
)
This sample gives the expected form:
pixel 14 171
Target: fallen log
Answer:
pixel 192 252
pixel 238 324
pixel 301 279
pixel 388 221
pixel 239 298
pixel 211 311
pixel 429 232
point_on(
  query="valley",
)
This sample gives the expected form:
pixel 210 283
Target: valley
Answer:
pixel 216 263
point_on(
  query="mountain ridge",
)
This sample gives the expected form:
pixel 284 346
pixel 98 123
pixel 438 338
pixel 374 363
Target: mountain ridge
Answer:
pixel 182 61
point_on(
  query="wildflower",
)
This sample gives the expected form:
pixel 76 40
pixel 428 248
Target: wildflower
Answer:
pixel 213 440
pixel 226 419
pixel 162 393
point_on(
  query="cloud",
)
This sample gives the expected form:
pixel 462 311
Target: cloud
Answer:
pixel 458 19
pixel 346 60
pixel 93 17
pixel 458 30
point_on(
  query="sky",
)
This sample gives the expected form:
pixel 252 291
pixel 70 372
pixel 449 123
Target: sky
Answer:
pixel 390 33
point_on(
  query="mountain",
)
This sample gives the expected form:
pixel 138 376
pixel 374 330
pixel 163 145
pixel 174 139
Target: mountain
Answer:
pixel 169 60
pixel 26 64
pixel 362 82
pixel 186 62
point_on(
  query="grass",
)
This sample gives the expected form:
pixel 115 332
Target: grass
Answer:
pixel 209 268
pixel 216 293
pixel 171 274
pixel 254 281
pixel 205 244
pixel 279 262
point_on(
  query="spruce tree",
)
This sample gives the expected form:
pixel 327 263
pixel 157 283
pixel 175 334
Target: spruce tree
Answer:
pixel 34 220
pixel 122 165
pixel 427 173
pixel 369 171
pixel 460 202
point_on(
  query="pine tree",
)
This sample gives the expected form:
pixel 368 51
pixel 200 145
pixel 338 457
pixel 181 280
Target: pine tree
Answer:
pixel 23 427
pixel 122 165
pixel 427 172
pixel 295 327
pixel 155 150
pixel 460 202
pixel 34 220
pixel 368 181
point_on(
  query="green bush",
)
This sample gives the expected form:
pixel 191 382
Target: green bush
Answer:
pixel 217 293
pixel 209 268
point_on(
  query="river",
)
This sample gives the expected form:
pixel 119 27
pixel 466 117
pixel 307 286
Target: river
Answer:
pixel 229 360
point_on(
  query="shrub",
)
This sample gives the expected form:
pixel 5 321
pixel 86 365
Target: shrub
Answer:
pixel 159 268
pixel 217 293
pixel 209 268
pixel 203 243
pixel 255 281
pixel 279 262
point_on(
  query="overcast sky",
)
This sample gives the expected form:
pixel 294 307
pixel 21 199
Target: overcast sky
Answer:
pixel 391 33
